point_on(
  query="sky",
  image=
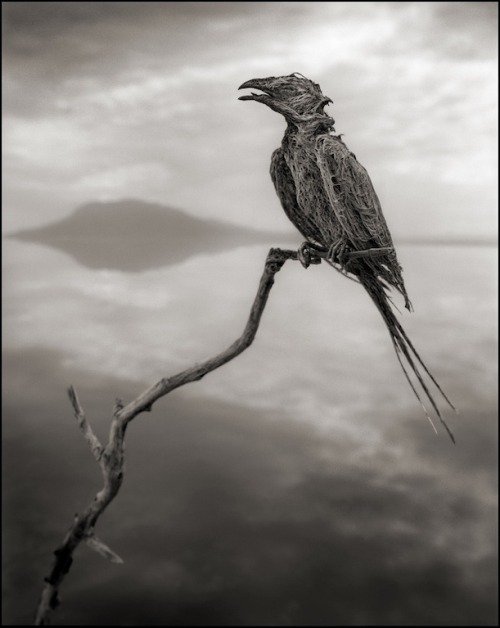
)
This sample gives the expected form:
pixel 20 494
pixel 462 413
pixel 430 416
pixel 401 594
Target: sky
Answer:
pixel 104 101
pixel 300 484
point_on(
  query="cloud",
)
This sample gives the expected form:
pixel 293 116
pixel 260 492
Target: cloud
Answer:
pixel 303 475
pixel 227 516
pixel 316 348
pixel 144 92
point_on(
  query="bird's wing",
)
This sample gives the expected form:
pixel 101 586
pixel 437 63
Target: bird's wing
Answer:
pixel 352 197
pixel 286 191
pixel 355 205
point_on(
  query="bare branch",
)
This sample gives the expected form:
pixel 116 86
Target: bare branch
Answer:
pixel 111 458
pixel 101 548
pixel 84 425
pixel 274 261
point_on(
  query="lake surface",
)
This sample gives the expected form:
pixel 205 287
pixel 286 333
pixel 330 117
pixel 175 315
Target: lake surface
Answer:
pixel 299 484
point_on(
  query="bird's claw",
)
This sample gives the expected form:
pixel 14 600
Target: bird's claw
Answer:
pixel 307 255
pixel 338 253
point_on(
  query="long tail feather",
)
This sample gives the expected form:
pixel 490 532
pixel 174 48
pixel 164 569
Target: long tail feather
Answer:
pixel 409 343
pixel 404 348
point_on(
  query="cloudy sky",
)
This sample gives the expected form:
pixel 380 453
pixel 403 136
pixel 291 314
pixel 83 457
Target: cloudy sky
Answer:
pixel 301 484
pixel 112 100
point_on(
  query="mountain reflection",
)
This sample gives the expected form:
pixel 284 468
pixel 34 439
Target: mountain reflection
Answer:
pixel 133 235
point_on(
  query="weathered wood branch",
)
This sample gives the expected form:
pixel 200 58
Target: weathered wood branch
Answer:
pixel 84 425
pixel 275 260
pixel 111 457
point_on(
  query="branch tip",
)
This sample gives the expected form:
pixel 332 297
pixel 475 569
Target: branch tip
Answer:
pixel 101 548
pixel 118 406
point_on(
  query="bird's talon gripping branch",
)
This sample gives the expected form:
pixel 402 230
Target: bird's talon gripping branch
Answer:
pixel 339 253
pixel 304 255
pixel 308 254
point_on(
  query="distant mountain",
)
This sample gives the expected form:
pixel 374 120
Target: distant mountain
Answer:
pixel 132 235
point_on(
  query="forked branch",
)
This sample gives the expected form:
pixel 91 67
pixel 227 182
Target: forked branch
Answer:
pixel 111 457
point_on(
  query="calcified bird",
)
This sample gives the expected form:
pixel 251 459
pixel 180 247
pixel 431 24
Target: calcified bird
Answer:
pixel 329 197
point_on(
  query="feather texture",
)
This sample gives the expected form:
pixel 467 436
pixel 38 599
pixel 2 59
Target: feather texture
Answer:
pixel 329 197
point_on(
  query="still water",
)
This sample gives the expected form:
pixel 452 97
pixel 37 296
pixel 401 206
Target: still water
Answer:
pixel 299 484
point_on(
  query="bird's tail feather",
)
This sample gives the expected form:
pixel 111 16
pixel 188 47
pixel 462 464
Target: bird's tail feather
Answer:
pixel 404 348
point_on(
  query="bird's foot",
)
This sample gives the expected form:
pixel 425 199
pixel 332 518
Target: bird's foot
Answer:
pixel 339 253
pixel 308 254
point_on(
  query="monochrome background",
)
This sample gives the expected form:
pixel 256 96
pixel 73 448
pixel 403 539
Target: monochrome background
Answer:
pixel 301 483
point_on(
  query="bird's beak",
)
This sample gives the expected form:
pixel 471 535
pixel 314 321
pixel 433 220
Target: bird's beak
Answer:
pixel 323 103
pixel 260 84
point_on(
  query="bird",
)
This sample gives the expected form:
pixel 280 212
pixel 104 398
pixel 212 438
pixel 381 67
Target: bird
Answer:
pixel 329 197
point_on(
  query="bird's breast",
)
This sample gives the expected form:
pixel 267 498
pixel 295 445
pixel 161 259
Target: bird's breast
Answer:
pixel 307 178
pixel 312 197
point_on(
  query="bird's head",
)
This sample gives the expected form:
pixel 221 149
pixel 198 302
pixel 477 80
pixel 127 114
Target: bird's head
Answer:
pixel 294 96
